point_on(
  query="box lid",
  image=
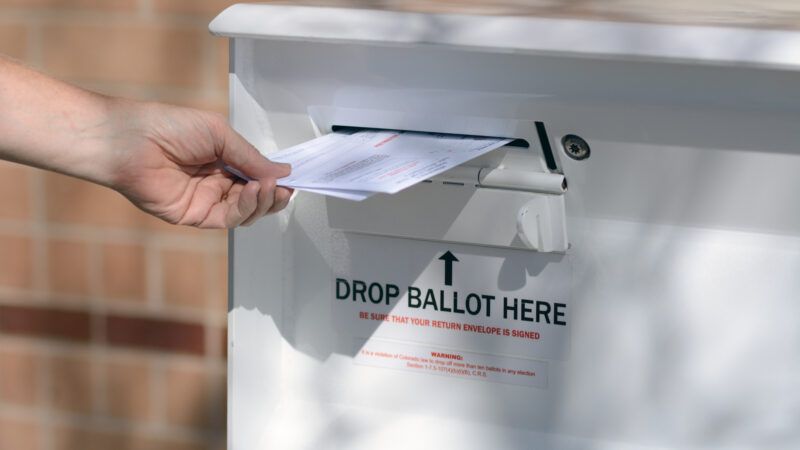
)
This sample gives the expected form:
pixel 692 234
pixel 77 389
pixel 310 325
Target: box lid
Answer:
pixel 568 37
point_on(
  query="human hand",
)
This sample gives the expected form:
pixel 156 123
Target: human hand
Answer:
pixel 169 161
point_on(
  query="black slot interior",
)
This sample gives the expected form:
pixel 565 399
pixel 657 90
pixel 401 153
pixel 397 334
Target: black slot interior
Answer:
pixel 515 143
pixel 547 151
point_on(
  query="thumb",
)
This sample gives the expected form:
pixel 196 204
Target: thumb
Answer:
pixel 279 169
pixel 239 154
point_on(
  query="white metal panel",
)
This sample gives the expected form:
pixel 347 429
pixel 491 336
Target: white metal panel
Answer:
pixel 685 232
pixel 719 45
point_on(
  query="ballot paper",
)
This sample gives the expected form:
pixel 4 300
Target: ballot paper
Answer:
pixel 355 165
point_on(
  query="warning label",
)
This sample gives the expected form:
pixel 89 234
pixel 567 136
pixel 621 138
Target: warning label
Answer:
pixel 430 360
pixel 482 300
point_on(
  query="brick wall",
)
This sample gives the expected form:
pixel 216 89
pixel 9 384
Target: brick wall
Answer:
pixel 112 323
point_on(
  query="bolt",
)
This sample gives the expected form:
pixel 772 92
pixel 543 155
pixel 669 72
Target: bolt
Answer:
pixel 575 147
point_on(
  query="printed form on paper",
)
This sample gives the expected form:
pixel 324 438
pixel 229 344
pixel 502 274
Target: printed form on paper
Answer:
pixel 356 165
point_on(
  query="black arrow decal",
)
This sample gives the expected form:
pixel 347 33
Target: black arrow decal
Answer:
pixel 448 259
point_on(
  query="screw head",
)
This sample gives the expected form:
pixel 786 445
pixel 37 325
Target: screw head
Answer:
pixel 575 147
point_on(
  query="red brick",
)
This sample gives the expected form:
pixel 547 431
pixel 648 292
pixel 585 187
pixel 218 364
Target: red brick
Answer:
pixel 221 63
pixel 74 201
pixel 15 196
pixel 13 43
pixel 156 334
pixel 72 438
pixel 45 322
pixel 16 262
pixel 104 5
pixel 218 102
pixel 68 263
pixel 218 337
pixel 186 280
pixel 194 397
pixel 218 292
pixel 224 338
pixel 124 272
pixel 206 8
pixel 128 389
pixel 19 376
pixel 19 434
pixel 73 382
pixel 144 54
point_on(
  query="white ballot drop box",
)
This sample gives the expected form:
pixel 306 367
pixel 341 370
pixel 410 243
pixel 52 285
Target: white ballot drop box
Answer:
pixel 624 274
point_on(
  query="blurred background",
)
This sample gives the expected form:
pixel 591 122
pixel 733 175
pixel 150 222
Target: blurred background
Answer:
pixel 112 323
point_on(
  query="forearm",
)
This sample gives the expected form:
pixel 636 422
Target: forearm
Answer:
pixel 167 160
pixel 49 124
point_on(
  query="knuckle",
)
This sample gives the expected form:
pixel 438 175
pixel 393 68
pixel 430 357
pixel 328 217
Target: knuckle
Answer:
pixel 233 222
pixel 216 122
pixel 271 184
pixel 216 118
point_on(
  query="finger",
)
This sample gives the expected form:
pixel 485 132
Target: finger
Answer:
pixel 244 206
pixel 240 203
pixel 235 151
pixel 282 197
pixel 266 198
pixel 208 191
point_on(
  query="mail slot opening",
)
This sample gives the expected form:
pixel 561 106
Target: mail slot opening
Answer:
pixel 522 143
